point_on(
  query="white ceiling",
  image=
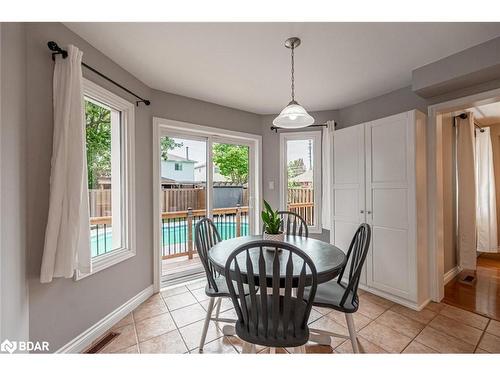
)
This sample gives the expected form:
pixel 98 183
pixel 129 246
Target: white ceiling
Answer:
pixel 246 66
pixel 488 114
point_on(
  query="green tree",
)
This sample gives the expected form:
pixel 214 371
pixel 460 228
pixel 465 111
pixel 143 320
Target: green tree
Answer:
pixel 232 161
pixel 296 167
pixel 98 138
pixel 167 144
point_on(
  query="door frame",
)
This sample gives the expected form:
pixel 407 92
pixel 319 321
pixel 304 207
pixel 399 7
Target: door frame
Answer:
pixel 435 181
pixel 161 125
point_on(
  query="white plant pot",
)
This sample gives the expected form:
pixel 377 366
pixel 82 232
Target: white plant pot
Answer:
pixel 274 237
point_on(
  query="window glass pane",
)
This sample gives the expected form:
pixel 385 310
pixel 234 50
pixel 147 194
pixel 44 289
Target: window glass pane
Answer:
pixel 300 178
pixel 183 202
pixel 230 189
pixel 104 171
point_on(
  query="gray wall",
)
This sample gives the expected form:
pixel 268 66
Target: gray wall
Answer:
pixel 61 310
pixel 271 157
pixel 14 291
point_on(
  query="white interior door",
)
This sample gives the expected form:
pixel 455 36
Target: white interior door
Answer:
pixel 348 186
pixel 389 174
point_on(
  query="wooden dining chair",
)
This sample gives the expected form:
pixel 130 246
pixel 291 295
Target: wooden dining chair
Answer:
pixel 206 236
pixel 292 224
pixel 269 318
pixel 342 295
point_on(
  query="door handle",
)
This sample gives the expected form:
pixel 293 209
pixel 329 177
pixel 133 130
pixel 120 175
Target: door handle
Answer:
pixel 368 212
pixel 361 212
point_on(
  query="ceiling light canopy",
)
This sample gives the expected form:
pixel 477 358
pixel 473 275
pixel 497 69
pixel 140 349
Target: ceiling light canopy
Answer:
pixel 293 116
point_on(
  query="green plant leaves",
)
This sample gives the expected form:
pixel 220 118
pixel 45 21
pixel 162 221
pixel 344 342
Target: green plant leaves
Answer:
pixel 271 219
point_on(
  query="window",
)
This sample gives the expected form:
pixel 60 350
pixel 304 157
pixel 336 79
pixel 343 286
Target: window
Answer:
pixel 110 176
pixel 178 166
pixel 300 182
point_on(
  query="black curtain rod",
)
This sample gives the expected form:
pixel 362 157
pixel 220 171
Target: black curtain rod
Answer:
pixel 463 116
pixel 56 50
pixel 276 128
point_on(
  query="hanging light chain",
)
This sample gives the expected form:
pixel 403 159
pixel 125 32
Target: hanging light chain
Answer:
pixel 293 73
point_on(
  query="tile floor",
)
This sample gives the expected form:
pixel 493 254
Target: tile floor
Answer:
pixel 171 322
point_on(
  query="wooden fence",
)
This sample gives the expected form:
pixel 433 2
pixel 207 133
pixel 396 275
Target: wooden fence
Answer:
pixel 301 201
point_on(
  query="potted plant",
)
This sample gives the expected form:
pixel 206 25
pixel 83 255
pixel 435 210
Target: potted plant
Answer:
pixel 272 224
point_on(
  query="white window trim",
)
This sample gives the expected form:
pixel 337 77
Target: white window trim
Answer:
pixel 161 125
pixel 316 137
pixel 127 109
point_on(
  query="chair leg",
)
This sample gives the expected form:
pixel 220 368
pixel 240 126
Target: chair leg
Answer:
pixel 207 322
pixel 352 332
pixel 217 310
pixel 272 350
pixel 248 348
pixel 300 349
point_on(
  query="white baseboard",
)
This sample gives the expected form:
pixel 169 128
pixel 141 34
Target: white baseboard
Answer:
pixel 86 338
pixel 448 276
pixel 400 301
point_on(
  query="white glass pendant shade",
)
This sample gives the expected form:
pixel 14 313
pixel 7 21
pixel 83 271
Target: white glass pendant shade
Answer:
pixel 293 116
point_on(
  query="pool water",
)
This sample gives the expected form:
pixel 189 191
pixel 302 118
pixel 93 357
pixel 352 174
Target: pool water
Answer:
pixel 173 238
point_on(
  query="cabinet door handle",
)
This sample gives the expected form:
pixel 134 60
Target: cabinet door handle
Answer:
pixel 361 212
pixel 368 212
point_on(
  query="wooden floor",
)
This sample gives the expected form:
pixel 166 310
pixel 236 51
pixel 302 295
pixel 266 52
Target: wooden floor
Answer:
pixel 484 296
pixel 179 267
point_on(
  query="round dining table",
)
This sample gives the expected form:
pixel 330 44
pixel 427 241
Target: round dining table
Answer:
pixel 328 259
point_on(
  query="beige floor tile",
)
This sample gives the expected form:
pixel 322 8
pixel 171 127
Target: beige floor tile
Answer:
pixel 370 310
pixel 327 324
pixel 490 343
pixel 400 323
pixel 134 349
pixel 481 351
pixel 174 291
pixel 278 351
pixel 442 342
pixel 456 329
pixel 125 321
pixel 385 337
pixel 423 316
pixel 219 346
pixel 189 314
pixel 417 348
pixel 365 347
pixel 154 326
pixel 200 294
pixel 226 304
pixel 493 328
pixel 153 306
pixel 180 300
pixel 238 344
pixel 322 310
pixel 192 333
pixel 126 337
pixel 376 299
pixel 168 343
pixel 229 314
pixel 435 306
pixel 313 316
pixel 466 317
pixel 360 321
pixel 313 348
pixel 197 284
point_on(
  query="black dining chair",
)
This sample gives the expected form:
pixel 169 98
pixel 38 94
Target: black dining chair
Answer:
pixel 206 236
pixel 269 318
pixel 342 295
pixel 292 224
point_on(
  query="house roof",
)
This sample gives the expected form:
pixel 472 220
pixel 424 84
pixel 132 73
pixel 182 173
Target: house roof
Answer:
pixel 307 176
pixel 172 157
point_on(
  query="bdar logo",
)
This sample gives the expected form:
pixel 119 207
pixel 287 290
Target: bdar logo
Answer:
pixel 8 346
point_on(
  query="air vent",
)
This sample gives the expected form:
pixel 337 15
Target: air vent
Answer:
pixel 468 280
pixel 96 347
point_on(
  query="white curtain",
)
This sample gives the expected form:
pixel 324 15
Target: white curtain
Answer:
pixel 466 193
pixel 327 176
pixel 67 236
pixel 486 203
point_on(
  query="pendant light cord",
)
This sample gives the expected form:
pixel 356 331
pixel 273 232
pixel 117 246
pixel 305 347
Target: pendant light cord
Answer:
pixel 293 74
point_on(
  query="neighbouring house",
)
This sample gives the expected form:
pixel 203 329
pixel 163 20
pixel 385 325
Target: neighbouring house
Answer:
pixel 305 179
pixel 178 168
pixel 200 173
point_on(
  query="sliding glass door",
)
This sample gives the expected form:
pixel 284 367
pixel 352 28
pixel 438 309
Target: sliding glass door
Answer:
pixel 201 177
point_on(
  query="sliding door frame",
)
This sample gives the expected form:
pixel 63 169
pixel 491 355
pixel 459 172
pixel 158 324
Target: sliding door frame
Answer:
pixel 163 126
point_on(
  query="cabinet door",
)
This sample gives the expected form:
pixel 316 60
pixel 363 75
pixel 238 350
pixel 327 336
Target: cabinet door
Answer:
pixel 348 185
pixel 390 184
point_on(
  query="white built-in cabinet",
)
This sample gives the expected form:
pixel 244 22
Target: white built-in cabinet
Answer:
pixel 379 170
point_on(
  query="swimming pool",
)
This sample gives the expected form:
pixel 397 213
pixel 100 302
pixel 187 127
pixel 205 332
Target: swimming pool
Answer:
pixel 174 238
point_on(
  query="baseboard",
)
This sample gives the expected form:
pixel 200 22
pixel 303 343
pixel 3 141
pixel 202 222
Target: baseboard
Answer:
pixel 400 301
pixel 448 276
pixel 86 338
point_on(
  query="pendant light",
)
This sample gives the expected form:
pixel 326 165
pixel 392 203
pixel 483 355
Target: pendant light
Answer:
pixel 293 115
